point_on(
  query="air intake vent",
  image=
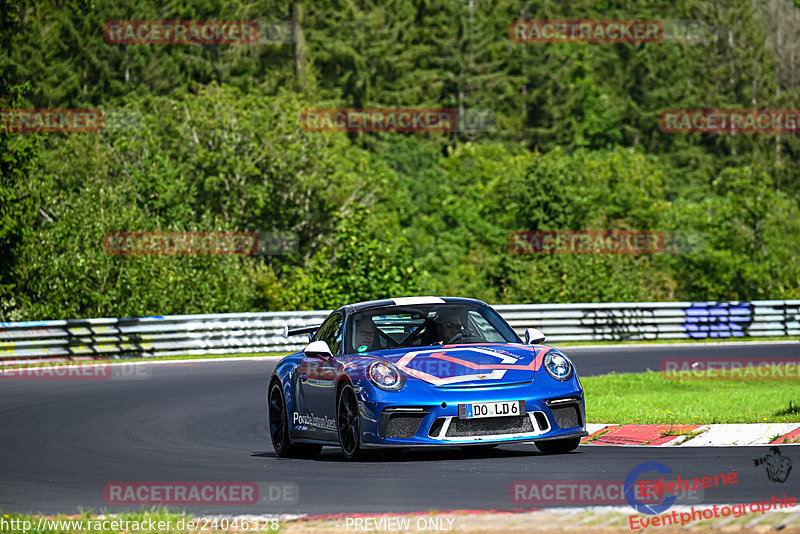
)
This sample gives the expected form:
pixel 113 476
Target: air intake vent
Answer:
pixel 567 416
pixel 400 424
pixel 489 426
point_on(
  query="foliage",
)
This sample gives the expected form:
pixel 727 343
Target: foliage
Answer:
pixel 216 161
pixel 17 155
pixel 213 142
pixel 355 267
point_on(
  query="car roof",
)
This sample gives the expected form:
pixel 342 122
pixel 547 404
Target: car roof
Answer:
pixel 407 301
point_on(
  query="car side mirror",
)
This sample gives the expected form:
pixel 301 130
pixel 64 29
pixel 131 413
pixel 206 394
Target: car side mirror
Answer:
pixel 318 349
pixel 533 336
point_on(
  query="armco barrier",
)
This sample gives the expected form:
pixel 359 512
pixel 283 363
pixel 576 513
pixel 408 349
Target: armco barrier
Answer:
pixel 263 332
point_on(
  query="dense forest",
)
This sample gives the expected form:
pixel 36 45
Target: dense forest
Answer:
pixel 207 137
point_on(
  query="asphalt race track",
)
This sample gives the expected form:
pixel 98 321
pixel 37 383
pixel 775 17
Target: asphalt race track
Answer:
pixel 63 441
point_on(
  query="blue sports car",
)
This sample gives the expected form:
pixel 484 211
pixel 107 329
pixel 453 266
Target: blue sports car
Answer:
pixel 420 371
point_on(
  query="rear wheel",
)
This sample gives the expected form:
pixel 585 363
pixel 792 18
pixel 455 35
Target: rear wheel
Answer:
pixel 348 422
pixel 279 429
pixel 558 446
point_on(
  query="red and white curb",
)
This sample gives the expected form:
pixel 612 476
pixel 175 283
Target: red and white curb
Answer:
pixel 693 435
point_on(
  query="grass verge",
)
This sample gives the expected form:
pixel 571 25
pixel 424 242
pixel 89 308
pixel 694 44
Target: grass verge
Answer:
pixel 646 398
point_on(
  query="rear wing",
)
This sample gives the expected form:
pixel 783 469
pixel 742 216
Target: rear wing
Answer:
pixel 311 330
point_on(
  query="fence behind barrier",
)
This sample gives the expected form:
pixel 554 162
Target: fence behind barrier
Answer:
pixel 263 332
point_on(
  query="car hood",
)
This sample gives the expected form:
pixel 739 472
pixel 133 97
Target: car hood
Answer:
pixel 469 365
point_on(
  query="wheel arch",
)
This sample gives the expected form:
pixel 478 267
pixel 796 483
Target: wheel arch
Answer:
pixel 282 375
pixel 343 380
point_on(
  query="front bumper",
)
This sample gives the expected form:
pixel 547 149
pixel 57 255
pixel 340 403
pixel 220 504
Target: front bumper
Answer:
pixel 427 415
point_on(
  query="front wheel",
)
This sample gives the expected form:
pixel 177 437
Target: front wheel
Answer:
pixel 348 423
pixel 279 429
pixel 558 446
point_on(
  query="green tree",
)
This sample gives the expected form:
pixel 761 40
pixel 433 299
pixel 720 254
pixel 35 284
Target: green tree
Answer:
pixel 215 161
pixel 355 267
pixel 18 152
pixel 751 245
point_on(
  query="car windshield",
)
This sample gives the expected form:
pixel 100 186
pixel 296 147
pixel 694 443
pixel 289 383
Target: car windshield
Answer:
pixel 426 325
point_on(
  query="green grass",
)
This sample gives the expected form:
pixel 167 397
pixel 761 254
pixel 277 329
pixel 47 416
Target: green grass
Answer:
pixel 87 523
pixel 646 398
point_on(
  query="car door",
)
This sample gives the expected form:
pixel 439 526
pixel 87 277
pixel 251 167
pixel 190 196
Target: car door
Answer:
pixel 316 384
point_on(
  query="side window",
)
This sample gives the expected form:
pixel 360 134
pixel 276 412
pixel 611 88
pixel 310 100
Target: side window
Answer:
pixel 331 333
pixel 485 330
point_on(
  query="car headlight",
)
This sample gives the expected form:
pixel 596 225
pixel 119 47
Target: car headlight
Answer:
pixel 385 376
pixel 558 365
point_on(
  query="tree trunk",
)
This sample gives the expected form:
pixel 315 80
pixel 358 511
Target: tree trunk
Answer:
pixel 299 46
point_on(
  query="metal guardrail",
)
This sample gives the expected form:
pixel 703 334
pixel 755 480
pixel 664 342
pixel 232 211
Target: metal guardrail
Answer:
pixel 263 332
pixel 656 320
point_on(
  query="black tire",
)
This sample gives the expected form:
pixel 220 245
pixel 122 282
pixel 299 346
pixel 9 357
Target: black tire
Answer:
pixel 348 423
pixel 558 446
pixel 278 421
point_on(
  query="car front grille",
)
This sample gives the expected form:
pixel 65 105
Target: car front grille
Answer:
pixel 489 426
pixel 533 423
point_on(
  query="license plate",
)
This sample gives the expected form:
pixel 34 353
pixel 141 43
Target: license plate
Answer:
pixel 476 410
